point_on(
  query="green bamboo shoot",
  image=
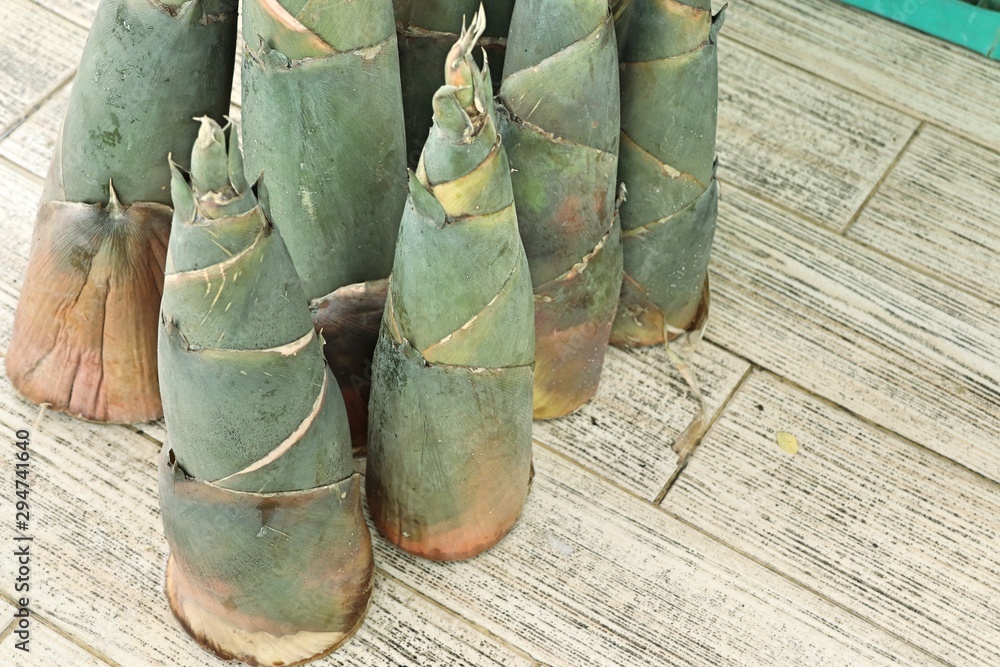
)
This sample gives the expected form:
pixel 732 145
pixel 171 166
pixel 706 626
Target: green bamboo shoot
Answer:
pixel 84 338
pixel 323 119
pixel 449 452
pixel 669 101
pixel 560 124
pixel 270 557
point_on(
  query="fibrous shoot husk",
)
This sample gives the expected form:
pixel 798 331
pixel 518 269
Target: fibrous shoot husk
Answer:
pixel 84 338
pixel 449 456
pixel 669 101
pixel 270 557
pixel 559 117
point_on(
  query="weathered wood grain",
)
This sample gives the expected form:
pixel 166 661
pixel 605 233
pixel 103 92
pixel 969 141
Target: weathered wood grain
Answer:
pixel 800 141
pixel 884 341
pixel 625 433
pixel 938 210
pixel 594 576
pixel 80 12
pixel 47 648
pixel 921 75
pixel 98 573
pixel 891 531
pixel 32 142
pixel 19 194
pixel 38 51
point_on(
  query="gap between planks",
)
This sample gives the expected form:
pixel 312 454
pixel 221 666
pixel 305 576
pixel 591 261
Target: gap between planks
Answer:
pixel 38 103
pixel 788 578
pixel 682 462
pixel 884 101
pixel 467 621
pixel 805 218
pixel 80 644
pixel 882 178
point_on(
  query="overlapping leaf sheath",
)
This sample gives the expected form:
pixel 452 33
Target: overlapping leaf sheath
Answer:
pixel 669 100
pixel 560 124
pixel 449 456
pixel 323 118
pixel 427 30
pixel 84 338
pixel 270 556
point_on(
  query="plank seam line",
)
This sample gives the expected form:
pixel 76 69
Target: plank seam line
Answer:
pixel 914 114
pixel 138 431
pixel 453 614
pixel 798 584
pixel 38 103
pixel 830 403
pixel 6 632
pixel 812 222
pixel 44 620
pixel 881 181
pixel 23 171
pixel 752 559
pixel 78 22
pixel 590 471
pixel 683 461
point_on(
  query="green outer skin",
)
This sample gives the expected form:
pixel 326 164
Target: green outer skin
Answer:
pixel 669 102
pixel 675 285
pixel 560 121
pixel 271 565
pixel 449 449
pixel 143 76
pixel 219 323
pixel 282 563
pixel 427 29
pixel 328 133
pixel 451 446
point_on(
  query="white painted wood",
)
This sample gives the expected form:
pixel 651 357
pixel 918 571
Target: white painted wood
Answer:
pixel 938 210
pixel 626 431
pixel 800 141
pixel 921 75
pixel 31 144
pixel 891 531
pixel 80 12
pixel 594 576
pixel 19 194
pixel 47 648
pixel 38 51
pixel 98 573
pixel 884 341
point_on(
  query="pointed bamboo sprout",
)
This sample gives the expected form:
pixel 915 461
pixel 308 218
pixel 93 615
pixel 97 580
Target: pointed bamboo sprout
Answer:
pixel 449 458
pixel 270 557
pixel 559 117
pixel 427 30
pixel 84 338
pixel 669 101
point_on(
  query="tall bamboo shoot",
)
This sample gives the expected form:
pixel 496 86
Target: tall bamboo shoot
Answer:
pixel 449 457
pixel 669 100
pixel 560 124
pixel 270 557
pixel 84 338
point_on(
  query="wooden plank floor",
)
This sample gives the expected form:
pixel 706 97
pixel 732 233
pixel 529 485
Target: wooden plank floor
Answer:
pixel 856 283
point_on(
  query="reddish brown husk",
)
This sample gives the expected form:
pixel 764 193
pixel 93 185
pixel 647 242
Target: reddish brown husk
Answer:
pixel 639 322
pixel 348 320
pixel 229 585
pixel 573 316
pixel 87 343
